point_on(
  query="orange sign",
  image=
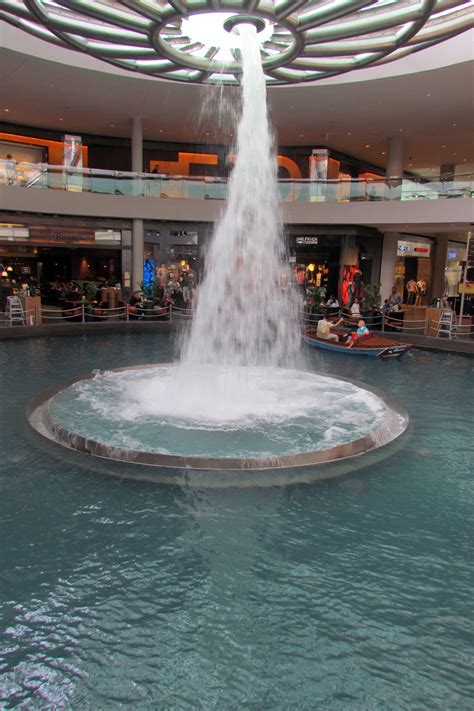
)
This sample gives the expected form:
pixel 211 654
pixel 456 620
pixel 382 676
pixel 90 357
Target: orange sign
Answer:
pixel 62 235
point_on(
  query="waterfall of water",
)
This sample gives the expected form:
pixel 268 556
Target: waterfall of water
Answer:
pixel 243 316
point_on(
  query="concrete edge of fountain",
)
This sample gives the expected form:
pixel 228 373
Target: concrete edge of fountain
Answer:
pixel 40 420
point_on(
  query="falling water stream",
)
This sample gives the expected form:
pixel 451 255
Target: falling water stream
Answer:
pixel 243 316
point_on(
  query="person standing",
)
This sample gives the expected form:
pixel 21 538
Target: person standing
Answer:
pixel 411 292
pixel 10 169
pixel 420 291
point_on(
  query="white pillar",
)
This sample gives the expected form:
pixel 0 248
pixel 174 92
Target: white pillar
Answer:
pixel 137 253
pixel 395 158
pixel 137 145
pixel 389 261
pixel 137 224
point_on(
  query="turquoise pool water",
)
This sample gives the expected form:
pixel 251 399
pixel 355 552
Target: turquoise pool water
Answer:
pixel 350 594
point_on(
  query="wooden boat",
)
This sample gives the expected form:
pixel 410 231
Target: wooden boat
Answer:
pixel 372 346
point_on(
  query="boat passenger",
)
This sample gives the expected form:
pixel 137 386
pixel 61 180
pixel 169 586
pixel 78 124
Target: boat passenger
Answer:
pixel 324 329
pixel 361 330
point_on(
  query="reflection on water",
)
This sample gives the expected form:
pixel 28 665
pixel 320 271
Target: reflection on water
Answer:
pixel 351 594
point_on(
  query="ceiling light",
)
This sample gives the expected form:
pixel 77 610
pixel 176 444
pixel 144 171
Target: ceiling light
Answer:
pixel 61 119
pixel 383 153
pixel 6 110
pixel 453 124
pixel 161 130
pixel 443 146
pixel 428 95
pixel 367 145
pixel 112 125
pixel 349 133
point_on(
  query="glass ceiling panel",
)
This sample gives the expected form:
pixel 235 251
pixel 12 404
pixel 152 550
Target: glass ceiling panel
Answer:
pixel 292 34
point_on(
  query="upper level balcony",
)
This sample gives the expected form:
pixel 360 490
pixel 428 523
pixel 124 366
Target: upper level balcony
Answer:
pixel 384 202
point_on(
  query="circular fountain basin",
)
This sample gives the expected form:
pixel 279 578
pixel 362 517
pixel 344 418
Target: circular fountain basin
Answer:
pixel 217 418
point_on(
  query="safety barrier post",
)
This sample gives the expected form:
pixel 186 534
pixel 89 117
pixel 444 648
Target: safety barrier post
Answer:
pixel 171 311
pixel 383 321
pixel 127 313
pixel 83 313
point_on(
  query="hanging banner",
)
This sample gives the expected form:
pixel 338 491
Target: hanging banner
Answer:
pixel 318 172
pixel 72 158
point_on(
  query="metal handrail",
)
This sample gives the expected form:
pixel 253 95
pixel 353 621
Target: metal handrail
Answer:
pixel 429 326
pixel 35 175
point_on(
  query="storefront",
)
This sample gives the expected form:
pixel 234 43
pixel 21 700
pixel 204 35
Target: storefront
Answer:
pixel 43 253
pixel 414 264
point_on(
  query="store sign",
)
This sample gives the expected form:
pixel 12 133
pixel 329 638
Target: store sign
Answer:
pixel 62 235
pixel 305 241
pixel 413 249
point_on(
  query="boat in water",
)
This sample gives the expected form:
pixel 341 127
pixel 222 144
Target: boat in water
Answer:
pixel 371 346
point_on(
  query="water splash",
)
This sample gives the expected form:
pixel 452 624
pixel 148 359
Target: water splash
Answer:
pixel 243 316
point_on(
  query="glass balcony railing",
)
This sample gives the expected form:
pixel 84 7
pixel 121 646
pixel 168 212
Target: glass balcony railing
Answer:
pixel 106 182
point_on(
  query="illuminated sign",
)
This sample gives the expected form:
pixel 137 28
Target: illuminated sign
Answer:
pixel 413 249
pixel 305 241
pixel 452 254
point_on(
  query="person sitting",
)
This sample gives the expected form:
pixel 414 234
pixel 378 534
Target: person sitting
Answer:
pixel 332 303
pixel 394 300
pixel 361 332
pixel 355 308
pixel 324 330
pixel 134 304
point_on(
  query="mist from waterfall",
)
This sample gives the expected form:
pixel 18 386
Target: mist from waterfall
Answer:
pixel 243 316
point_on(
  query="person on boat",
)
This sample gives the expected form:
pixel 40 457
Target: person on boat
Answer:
pixel 361 330
pixel 324 329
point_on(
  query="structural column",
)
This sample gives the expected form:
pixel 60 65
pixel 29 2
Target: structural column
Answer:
pixel 389 261
pixel 439 265
pixel 137 224
pixel 137 253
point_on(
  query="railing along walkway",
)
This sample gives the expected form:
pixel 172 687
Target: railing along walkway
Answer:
pixel 129 184
pixel 83 313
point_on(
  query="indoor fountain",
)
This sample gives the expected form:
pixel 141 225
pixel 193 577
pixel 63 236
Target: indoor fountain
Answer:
pixel 238 399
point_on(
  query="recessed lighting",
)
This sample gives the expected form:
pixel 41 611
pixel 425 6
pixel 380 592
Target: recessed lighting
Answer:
pixel 61 119
pixel 112 125
pixel 349 133
pixel 161 130
pixel 383 153
pixel 454 154
pixel 443 146
pixel 401 130
pixel 207 133
pixel 6 110
pixel 454 124
pixel 301 135
pixel 367 145
pixel 410 165
pixel 464 160
pixel 428 95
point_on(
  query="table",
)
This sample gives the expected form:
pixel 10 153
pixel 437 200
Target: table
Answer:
pixel 32 308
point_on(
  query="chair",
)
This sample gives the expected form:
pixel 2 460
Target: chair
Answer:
pixel 14 311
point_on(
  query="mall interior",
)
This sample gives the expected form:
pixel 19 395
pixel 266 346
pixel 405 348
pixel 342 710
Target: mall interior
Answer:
pixel 391 146
pixel 212 497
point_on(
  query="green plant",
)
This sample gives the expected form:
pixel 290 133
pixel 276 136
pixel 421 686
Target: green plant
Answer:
pixel 88 288
pixel 371 299
pixel 316 296
pixel 152 291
